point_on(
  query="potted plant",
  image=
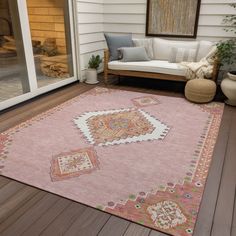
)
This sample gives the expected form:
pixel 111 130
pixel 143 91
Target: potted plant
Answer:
pixel 226 54
pixel 91 72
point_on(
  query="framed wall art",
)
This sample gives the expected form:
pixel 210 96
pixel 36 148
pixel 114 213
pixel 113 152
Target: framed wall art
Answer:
pixel 172 18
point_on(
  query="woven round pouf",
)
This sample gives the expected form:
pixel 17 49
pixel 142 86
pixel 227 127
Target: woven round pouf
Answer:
pixel 200 90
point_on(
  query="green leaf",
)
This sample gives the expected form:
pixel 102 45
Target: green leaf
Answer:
pixel 94 62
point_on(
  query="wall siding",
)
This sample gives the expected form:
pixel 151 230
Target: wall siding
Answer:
pixel 91 28
pixel 129 16
pixel 124 16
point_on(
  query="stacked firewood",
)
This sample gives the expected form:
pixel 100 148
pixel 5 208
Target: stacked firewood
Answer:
pixel 51 64
pixel 8 43
pixel 56 67
pixel 7 46
pixel 49 47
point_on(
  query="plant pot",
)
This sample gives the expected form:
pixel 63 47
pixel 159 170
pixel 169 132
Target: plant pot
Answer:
pixel 228 86
pixel 91 76
pixel 232 75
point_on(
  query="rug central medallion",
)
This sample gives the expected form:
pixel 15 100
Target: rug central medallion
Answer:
pixel 121 126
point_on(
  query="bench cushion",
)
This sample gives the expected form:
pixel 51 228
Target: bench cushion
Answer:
pixel 154 66
pixel 147 43
pixel 162 47
pixel 204 48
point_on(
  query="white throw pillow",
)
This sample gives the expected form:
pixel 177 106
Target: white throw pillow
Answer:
pixel 147 44
pixel 162 47
pixel 204 48
pixel 178 55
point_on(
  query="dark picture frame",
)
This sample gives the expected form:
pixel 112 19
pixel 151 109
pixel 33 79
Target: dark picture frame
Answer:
pixel 172 18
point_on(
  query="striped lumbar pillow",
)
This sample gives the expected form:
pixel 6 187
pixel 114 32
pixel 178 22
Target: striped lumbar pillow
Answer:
pixel 182 54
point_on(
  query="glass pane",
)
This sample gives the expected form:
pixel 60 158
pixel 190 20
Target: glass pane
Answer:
pixel 50 31
pixel 13 71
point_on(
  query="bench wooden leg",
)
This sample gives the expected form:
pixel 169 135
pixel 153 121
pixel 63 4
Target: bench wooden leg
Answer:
pixel 106 77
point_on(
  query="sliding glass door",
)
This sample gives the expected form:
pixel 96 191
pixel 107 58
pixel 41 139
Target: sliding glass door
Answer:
pixel 13 70
pixel 51 40
pixel 37 48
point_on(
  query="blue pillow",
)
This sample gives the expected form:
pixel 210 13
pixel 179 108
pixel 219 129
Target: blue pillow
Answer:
pixel 133 54
pixel 117 41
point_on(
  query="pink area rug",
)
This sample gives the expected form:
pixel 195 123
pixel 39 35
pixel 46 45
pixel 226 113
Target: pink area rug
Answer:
pixel 139 156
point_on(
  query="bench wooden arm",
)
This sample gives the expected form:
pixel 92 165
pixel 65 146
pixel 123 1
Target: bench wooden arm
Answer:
pixel 106 61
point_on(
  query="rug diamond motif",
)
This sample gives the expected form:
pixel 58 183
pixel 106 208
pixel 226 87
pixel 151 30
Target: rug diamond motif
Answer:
pixel 120 126
pixel 145 101
pixel 166 214
pixel 73 164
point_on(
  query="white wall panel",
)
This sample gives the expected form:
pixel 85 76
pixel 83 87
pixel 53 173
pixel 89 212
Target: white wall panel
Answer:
pixel 90 7
pixel 91 38
pixel 85 18
pixel 91 28
pixel 129 16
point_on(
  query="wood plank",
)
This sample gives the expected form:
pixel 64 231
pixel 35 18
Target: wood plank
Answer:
pixel 225 204
pixel 137 230
pixel 115 226
pixel 147 75
pixel 35 107
pixel 90 222
pixel 156 233
pixel 19 226
pixel 61 224
pixel 22 210
pixel 207 208
pixel 233 228
pixel 8 190
pixel 59 59
pixel 37 227
pixel 16 201
pixel 3 181
pixel 39 104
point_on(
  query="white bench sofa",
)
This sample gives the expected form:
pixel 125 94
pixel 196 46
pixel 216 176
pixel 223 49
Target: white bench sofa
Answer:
pixel 158 67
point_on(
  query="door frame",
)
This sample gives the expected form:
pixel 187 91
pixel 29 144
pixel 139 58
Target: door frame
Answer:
pixel 29 57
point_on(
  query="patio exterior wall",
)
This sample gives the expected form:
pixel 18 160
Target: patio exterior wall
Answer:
pixel 129 16
pixel 123 16
pixel 91 28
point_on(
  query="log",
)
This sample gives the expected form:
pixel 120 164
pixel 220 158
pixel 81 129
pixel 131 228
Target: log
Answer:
pixel 9 38
pixel 7 53
pixel 49 47
pixel 9 46
pixel 55 67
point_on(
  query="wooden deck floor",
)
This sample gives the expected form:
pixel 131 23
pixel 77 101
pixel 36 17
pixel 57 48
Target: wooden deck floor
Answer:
pixel 28 211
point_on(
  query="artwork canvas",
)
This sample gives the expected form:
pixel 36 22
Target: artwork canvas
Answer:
pixel 172 18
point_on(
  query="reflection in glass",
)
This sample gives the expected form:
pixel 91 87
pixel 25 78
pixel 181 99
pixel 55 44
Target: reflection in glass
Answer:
pixel 50 32
pixel 13 71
